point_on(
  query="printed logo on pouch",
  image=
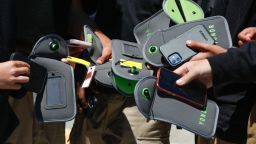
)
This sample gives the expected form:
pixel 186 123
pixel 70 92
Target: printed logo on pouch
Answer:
pixel 202 117
pixel 212 31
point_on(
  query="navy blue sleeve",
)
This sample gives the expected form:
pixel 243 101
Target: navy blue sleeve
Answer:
pixel 237 65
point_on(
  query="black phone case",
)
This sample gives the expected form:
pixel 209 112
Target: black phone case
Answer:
pixel 176 51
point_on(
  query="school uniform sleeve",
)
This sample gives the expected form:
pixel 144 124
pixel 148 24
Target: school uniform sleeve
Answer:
pixel 238 65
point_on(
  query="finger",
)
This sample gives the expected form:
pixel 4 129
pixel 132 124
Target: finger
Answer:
pixel 240 43
pixel 20 64
pixel 22 71
pixel 198 45
pixel 205 47
pixel 185 79
pixel 149 66
pixel 100 60
pixel 242 35
pixel 21 79
pixel 106 55
pixel 182 70
pixel 65 60
pixel 248 37
pixel 200 56
pixel 103 58
pixel 14 87
pixel 247 34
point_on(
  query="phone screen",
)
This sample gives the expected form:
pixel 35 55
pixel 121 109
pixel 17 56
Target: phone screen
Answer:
pixel 193 93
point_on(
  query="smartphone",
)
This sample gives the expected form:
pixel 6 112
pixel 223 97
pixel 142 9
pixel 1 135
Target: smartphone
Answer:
pixel 176 51
pixel 194 93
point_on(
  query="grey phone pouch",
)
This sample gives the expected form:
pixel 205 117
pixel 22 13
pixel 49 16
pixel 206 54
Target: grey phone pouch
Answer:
pixel 164 108
pixel 216 26
pixel 146 28
pixel 128 66
pixel 57 102
pixel 102 76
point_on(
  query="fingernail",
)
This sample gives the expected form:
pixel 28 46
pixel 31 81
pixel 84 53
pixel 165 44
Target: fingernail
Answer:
pixel 188 42
pixel 64 60
pixel 99 62
pixel 179 82
pixel 248 38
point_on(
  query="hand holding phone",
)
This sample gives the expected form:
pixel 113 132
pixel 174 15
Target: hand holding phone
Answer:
pixel 37 76
pixel 194 93
pixel 176 51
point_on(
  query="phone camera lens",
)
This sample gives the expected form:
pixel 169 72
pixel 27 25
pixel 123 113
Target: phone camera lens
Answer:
pixel 174 59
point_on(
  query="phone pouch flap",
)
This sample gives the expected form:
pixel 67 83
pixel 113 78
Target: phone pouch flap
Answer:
pixel 96 49
pixel 181 11
pixel 127 68
pixel 92 54
pixel 217 27
pixel 128 49
pixel 145 29
pixel 167 109
pixel 57 102
pixel 50 46
pixel 103 74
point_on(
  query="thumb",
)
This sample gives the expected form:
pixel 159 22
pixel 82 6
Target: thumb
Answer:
pixel 182 70
pixel 106 54
pixel 101 59
pixel 248 37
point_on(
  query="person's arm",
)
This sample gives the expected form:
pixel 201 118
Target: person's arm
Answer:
pixel 79 16
pixel 236 65
pixel 107 48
